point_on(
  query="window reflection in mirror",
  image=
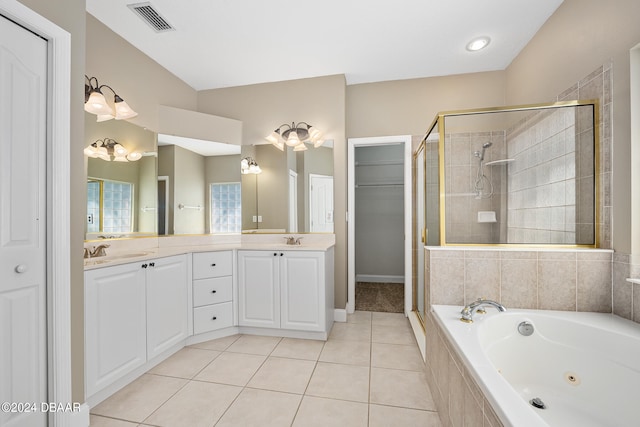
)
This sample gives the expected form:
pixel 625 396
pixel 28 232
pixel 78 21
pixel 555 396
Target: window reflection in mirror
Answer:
pixel 200 185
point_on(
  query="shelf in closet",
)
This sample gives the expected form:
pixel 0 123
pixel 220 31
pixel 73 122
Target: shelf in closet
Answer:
pixel 381 163
pixel 390 184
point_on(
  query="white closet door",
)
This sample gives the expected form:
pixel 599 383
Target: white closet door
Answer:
pixel 23 80
pixel 321 203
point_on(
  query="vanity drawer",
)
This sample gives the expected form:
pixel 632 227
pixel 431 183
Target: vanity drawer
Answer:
pixel 212 317
pixel 212 291
pixel 212 264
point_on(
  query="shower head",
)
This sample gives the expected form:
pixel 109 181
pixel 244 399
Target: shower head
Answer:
pixel 480 155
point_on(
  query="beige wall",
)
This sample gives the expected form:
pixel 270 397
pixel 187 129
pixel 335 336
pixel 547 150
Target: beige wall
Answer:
pixel 139 80
pixel 318 101
pixel 190 191
pixel 407 107
pixel 579 37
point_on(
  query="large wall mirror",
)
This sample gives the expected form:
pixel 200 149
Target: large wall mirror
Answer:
pixel 293 193
pixel 517 175
pixel 121 195
pixel 184 185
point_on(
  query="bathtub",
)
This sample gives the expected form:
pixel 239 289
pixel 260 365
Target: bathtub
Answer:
pixel 584 367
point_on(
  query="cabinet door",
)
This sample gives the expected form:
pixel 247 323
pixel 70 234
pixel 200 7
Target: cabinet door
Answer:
pixel 167 303
pixel 302 291
pixel 258 289
pixel 115 324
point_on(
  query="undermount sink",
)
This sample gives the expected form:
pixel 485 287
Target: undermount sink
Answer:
pixel 115 257
pixel 127 255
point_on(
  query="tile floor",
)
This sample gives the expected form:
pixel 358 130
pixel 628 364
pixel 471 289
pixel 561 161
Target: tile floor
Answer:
pixel 369 373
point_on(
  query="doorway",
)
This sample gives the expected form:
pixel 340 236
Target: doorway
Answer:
pixel 163 203
pixel 379 213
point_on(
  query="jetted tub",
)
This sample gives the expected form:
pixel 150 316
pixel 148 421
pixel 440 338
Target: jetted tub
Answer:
pixel 584 367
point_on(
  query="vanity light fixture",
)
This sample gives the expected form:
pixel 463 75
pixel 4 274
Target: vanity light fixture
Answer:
pixel 249 165
pixel 109 149
pixel 478 43
pixel 96 103
pixel 295 135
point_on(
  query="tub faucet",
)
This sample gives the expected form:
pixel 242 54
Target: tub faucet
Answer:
pixel 469 309
pixel 98 251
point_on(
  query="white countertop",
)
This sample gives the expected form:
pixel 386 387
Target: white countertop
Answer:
pixel 134 250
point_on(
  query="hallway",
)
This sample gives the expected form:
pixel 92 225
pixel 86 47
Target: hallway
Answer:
pixel 368 373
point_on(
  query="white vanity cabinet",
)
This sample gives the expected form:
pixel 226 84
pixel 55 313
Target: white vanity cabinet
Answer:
pixel 286 289
pixel 167 303
pixel 133 312
pixel 212 291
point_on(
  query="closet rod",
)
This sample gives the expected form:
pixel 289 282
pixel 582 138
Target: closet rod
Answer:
pixel 378 185
pixel 380 163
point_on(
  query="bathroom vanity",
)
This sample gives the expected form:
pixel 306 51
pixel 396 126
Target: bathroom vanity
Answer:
pixel 141 310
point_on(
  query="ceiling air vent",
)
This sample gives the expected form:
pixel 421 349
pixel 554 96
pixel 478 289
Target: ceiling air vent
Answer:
pixel 151 17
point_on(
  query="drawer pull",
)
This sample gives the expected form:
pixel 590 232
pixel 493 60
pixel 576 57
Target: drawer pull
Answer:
pixel 214 318
pixel 275 254
pixel 213 265
pixel 152 264
pixel 144 265
pixel 213 291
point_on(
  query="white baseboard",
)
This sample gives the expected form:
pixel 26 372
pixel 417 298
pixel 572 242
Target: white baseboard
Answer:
pixel 379 278
pixel 340 315
pixel 80 418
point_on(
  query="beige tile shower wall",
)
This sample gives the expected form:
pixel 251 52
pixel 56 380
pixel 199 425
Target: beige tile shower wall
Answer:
pixel 461 173
pixel 598 85
pixel 542 179
pixel 567 280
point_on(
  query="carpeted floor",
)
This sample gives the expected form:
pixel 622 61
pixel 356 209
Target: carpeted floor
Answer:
pixel 385 297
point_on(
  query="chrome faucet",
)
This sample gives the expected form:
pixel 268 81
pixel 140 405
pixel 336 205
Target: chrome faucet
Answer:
pixel 98 251
pixel 469 309
pixel 291 240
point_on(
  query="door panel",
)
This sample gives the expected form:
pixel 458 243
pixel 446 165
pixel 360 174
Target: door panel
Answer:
pixel 23 89
pixel 115 324
pixel 167 304
pixel 258 289
pixel 321 203
pixel 302 279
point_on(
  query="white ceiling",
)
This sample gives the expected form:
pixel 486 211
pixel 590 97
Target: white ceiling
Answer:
pixel 224 43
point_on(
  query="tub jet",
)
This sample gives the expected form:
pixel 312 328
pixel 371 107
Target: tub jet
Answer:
pixel 538 403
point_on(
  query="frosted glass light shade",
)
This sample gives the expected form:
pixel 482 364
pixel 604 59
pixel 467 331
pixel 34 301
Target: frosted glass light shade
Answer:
pixel 104 117
pixel 292 139
pixel 123 111
pixel 97 104
pixel 132 157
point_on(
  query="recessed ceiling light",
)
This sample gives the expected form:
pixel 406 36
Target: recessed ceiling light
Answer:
pixel 478 43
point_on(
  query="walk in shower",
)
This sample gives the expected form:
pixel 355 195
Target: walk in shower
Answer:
pixel 512 175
